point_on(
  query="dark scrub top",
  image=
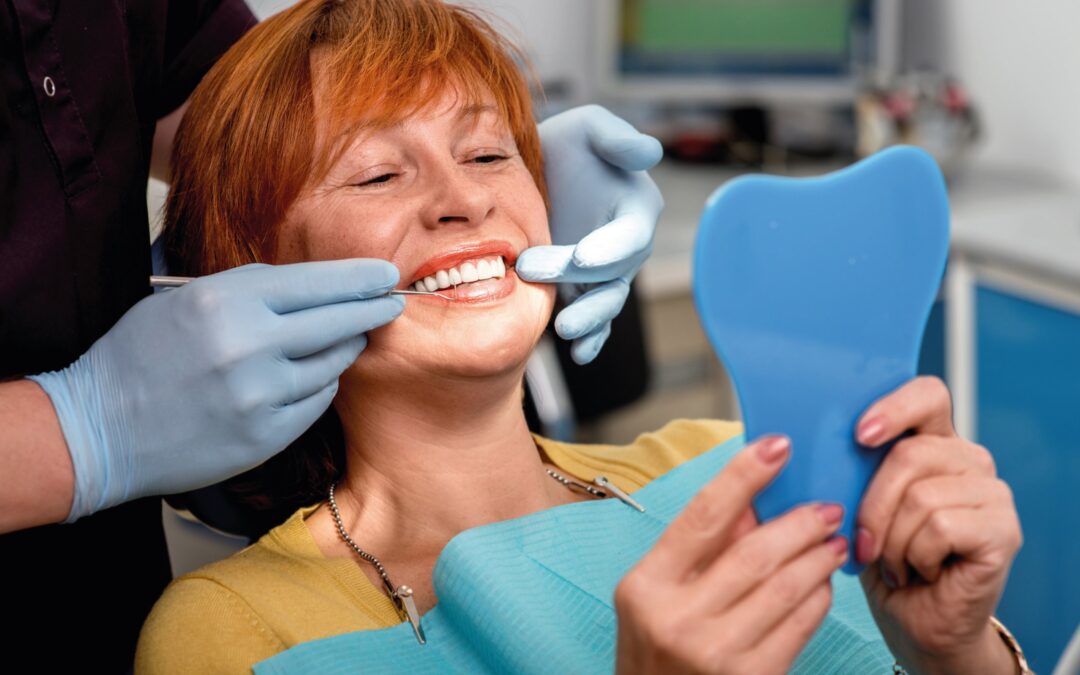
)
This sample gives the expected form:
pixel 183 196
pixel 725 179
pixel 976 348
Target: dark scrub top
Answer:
pixel 83 83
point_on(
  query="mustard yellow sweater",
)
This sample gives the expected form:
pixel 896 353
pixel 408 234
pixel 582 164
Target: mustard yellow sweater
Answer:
pixel 282 591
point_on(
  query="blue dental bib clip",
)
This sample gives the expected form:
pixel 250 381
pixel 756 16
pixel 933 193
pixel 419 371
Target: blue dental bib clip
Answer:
pixel 815 293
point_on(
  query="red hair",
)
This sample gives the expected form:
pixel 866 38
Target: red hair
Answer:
pixel 248 144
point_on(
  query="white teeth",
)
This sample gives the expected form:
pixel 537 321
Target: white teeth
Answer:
pixel 468 272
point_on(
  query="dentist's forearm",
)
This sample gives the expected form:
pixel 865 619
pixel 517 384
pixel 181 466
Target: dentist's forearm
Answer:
pixel 37 481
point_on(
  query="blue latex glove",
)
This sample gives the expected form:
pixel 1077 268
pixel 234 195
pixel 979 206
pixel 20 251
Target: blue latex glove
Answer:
pixel 200 383
pixel 604 209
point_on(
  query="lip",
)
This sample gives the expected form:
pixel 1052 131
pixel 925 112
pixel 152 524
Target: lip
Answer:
pixel 486 291
pixel 460 254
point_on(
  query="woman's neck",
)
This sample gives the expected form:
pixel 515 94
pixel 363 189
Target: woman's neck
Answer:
pixel 423 467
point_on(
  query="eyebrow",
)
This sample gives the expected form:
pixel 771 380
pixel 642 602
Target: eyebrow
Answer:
pixel 475 110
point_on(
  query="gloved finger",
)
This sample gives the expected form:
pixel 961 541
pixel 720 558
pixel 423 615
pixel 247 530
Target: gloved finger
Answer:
pixel 312 374
pixel 289 288
pixel 298 416
pixel 555 264
pixel 585 349
pixel 592 310
pixel 312 330
pixel 624 242
pixel 617 142
pixel 545 263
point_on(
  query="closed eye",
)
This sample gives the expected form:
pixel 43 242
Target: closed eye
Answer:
pixel 384 178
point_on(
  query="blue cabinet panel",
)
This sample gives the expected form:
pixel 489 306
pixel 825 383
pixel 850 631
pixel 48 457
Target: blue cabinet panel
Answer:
pixel 1028 365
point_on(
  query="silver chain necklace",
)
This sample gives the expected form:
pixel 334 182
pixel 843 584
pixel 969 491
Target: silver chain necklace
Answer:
pixel 402 596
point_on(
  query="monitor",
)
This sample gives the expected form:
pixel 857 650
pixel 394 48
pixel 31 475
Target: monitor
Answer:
pixel 744 52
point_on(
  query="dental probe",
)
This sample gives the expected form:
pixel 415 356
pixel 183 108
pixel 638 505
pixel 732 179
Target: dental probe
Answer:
pixel 173 282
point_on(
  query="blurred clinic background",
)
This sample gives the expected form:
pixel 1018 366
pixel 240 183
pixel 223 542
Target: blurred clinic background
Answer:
pixel 803 87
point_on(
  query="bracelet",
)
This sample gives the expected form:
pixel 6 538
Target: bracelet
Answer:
pixel 1006 637
pixel 1013 645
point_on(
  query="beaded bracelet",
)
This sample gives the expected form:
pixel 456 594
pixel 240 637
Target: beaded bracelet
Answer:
pixel 1013 645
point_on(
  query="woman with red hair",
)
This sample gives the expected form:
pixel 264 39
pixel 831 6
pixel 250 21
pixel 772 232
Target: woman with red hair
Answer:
pixel 402 130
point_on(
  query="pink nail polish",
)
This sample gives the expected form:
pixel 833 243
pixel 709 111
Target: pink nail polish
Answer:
pixel 773 450
pixel 832 514
pixel 870 432
pixel 864 545
pixel 839 545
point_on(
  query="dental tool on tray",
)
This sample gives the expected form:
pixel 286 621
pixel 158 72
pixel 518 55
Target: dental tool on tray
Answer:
pixel 173 282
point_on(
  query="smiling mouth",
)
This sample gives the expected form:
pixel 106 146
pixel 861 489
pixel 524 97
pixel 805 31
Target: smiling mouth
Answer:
pixel 471 271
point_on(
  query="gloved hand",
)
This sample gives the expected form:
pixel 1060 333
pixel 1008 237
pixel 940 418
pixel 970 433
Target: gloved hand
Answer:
pixel 604 209
pixel 200 383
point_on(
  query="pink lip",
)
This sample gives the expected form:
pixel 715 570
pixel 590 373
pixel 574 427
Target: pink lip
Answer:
pixel 460 254
pixel 488 290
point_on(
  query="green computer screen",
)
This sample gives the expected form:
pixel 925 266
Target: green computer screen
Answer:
pixel 738 34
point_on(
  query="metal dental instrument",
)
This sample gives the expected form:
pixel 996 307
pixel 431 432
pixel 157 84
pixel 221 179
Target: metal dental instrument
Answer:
pixel 173 282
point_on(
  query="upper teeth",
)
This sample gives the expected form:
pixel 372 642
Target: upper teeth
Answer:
pixel 465 273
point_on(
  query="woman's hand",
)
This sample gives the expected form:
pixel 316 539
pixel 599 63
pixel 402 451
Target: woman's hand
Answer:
pixel 718 593
pixel 943 531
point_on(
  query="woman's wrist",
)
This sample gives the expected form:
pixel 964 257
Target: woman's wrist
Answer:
pixel 990 655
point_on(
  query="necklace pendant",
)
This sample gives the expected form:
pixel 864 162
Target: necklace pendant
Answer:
pixel 403 598
pixel 604 484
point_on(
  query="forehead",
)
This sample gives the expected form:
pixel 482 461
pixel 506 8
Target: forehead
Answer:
pixel 342 88
pixel 345 113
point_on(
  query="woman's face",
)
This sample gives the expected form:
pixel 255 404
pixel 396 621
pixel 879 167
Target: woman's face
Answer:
pixel 446 198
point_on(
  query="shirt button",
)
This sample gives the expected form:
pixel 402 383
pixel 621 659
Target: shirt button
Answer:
pixel 49 86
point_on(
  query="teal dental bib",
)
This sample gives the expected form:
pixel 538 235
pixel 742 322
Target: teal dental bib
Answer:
pixel 815 293
pixel 534 595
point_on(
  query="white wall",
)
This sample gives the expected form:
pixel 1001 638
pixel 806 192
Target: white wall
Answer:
pixel 1021 61
pixel 556 35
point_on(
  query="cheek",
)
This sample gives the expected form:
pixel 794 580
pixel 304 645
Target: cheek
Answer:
pixel 332 227
pixel 519 201
pixel 532 214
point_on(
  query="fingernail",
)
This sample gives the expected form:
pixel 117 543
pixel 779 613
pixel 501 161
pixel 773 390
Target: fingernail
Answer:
pixel 773 450
pixel 839 546
pixel 832 514
pixel 871 430
pixel 889 577
pixel 864 545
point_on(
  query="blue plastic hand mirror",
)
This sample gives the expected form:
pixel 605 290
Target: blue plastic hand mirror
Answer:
pixel 815 293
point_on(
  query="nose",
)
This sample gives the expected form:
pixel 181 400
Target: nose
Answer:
pixel 456 197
